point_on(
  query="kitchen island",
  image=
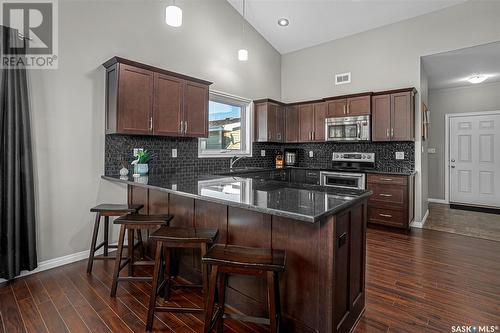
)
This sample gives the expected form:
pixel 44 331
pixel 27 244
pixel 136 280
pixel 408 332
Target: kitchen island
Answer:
pixel 322 230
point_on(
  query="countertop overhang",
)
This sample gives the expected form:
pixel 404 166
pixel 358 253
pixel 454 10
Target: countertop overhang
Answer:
pixel 303 202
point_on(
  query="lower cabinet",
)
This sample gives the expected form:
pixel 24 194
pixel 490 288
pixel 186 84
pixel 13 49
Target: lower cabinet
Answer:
pixel 392 202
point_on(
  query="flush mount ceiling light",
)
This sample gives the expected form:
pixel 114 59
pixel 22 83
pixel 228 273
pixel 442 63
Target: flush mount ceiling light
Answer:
pixel 173 15
pixel 477 78
pixel 283 22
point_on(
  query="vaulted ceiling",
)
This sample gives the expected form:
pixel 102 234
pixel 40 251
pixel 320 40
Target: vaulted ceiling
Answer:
pixel 314 22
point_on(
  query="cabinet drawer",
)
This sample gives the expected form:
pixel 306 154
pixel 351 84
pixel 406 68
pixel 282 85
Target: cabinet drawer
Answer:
pixel 387 217
pixel 387 179
pixel 394 194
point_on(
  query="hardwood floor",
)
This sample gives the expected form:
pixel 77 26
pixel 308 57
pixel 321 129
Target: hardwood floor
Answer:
pixel 425 281
pixel 463 222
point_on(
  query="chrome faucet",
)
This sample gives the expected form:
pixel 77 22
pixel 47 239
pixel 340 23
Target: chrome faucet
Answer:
pixel 235 159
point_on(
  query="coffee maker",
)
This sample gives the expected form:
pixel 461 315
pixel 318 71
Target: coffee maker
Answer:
pixel 291 157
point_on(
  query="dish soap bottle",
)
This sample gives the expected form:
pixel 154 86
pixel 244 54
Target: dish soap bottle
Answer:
pixel 279 161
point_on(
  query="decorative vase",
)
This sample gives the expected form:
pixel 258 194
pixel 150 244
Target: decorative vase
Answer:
pixel 123 172
pixel 141 169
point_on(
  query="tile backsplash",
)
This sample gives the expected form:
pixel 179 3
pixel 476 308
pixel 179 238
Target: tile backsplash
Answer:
pixel 119 148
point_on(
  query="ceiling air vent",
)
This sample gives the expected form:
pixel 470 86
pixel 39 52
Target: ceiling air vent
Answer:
pixel 342 78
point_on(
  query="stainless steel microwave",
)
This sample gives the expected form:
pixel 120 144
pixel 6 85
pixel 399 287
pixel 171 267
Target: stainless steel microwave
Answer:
pixel 348 129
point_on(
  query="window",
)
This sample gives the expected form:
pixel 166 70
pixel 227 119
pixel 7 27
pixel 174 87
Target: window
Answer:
pixel 228 127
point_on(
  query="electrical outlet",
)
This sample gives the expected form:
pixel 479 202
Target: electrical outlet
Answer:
pixel 174 187
pixel 431 150
pixel 262 153
pixel 400 155
pixel 137 150
pixel 174 152
pixel 311 153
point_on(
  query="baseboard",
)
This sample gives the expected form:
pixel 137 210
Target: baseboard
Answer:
pixel 56 262
pixel 420 224
pixel 441 201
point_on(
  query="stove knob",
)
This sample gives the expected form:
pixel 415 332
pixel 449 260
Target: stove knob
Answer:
pixel 337 155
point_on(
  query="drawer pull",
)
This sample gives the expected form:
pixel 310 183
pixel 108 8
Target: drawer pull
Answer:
pixel 385 195
pixel 385 215
pixel 387 179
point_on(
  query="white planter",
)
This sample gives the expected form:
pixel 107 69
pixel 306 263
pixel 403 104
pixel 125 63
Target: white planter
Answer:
pixel 141 169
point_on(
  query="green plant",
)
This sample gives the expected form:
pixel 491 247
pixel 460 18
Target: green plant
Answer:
pixel 143 157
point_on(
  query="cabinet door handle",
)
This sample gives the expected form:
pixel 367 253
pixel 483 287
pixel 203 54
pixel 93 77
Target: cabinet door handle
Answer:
pixel 385 195
pixel 344 109
pixel 313 134
pixel 151 123
pixel 185 127
pixel 387 133
pixel 392 132
pixel 385 215
pixel 348 111
pixel 180 127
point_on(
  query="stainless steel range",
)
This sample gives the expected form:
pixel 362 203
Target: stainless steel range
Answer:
pixel 348 170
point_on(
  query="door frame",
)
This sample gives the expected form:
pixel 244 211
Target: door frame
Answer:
pixel 448 117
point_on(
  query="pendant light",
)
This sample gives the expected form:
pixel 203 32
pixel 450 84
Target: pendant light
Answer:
pixel 173 15
pixel 243 52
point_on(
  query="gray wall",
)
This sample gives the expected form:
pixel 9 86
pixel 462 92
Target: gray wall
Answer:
pixel 473 98
pixel 389 57
pixel 68 103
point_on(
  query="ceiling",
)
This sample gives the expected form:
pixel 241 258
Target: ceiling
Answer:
pixel 451 69
pixel 314 22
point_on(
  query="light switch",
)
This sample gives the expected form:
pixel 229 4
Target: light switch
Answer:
pixel 174 152
pixel 263 153
pixel 400 155
pixel 311 153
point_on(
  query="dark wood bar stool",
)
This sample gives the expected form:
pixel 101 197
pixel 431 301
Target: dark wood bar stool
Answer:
pixel 129 224
pixel 167 238
pixel 106 210
pixel 231 259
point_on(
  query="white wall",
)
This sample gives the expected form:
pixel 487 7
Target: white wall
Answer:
pixel 473 98
pixel 389 57
pixel 68 103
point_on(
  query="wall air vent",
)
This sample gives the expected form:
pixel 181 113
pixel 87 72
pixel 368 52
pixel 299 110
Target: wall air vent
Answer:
pixel 342 78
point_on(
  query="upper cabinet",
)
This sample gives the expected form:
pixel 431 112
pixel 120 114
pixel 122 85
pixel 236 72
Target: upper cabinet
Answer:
pixel 350 106
pixel 393 115
pixel 291 124
pixel 142 99
pixel 312 121
pixel 269 121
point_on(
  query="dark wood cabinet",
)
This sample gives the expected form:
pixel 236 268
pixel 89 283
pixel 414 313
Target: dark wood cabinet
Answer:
pixel 393 115
pixel 195 109
pixel 392 202
pixel 135 100
pixel 168 96
pixel 269 121
pixel 354 105
pixel 142 99
pixel 312 122
pixel 291 124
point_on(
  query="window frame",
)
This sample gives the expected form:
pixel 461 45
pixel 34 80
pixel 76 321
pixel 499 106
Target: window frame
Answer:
pixel 246 127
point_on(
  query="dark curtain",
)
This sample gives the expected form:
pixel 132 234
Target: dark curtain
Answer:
pixel 17 204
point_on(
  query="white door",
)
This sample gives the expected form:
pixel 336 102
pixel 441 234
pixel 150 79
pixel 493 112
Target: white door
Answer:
pixel 475 160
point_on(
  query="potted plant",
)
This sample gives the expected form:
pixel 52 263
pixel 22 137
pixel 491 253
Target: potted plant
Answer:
pixel 141 163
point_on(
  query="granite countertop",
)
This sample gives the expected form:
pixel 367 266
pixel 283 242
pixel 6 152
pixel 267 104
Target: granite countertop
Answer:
pixel 303 202
pixel 256 169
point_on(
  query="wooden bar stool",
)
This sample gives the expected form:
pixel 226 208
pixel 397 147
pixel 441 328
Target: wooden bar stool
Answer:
pixel 129 224
pixel 167 238
pixel 106 210
pixel 231 259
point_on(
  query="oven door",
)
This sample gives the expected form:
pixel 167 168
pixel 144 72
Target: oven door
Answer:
pixel 340 130
pixel 343 180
